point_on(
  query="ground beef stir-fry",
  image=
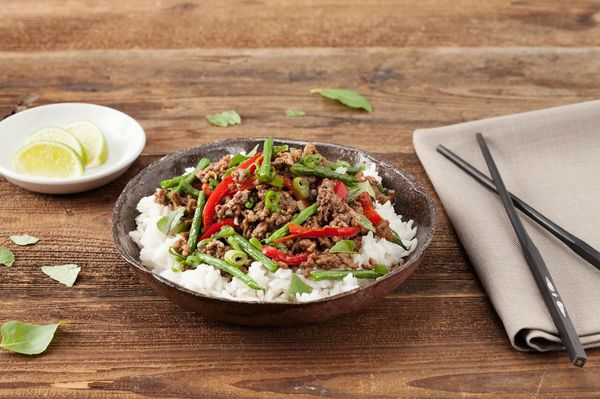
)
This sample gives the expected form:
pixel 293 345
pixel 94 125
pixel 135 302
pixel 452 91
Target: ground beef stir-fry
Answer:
pixel 284 207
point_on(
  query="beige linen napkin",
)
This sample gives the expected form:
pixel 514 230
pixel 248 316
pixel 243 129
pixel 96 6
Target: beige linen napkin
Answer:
pixel 551 160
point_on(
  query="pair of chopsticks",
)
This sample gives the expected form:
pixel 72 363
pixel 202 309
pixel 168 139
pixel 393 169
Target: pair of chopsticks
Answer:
pixel 536 263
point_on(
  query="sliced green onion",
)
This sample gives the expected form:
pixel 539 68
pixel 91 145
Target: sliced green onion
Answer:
pixel 254 241
pixel 302 186
pixel 277 181
pixel 272 201
pixel 311 160
pixel 251 201
pixel 235 257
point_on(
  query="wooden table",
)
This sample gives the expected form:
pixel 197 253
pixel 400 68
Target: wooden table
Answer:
pixel 169 63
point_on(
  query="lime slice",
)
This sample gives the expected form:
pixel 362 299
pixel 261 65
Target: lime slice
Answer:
pixel 48 158
pixel 60 135
pixel 92 140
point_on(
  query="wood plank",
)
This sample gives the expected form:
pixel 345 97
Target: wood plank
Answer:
pixel 170 91
pixel 29 25
pixel 437 336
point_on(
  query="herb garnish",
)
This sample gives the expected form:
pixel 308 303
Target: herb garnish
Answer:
pixel 344 247
pixel 347 97
pixel 294 112
pixel 26 338
pixel 167 223
pixel 224 119
pixel 64 274
pixel 297 286
pixel 24 239
pixel 6 257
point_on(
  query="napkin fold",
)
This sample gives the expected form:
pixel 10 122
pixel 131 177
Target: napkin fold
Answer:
pixel 550 159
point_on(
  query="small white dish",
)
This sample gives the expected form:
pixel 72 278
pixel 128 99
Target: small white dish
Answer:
pixel 124 135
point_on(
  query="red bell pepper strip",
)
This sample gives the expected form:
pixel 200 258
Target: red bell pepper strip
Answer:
pixel 206 189
pixel 291 260
pixel 368 209
pixel 215 227
pixel 222 189
pixel 298 231
pixel 340 189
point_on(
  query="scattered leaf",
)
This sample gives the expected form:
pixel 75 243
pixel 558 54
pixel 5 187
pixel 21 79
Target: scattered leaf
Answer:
pixel 294 112
pixel 64 274
pixel 24 239
pixel 347 97
pixel 356 190
pixel 224 119
pixel 366 223
pixel 167 223
pixel 6 257
pixel 297 286
pixel 28 339
pixel 344 247
pixel 381 269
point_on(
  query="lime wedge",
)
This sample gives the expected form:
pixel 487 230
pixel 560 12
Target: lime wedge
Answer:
pixel 60 135
pixel 91 138
pixel 49 159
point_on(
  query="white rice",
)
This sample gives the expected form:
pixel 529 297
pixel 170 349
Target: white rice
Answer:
pixel 208 280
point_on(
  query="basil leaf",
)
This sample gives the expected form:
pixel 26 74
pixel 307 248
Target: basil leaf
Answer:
pixel 344 247
pixel 381 269
pixel 64 274
pixel 24 239
pixel 297 286
pixel 355 191
pixel 6 257
pixel 294 112
pixel 224 119
pixel 347 97
pixel 28 339
pixel 366 223
pixel 169 221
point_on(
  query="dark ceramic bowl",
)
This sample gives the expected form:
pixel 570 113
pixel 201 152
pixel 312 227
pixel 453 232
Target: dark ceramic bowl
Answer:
pixel 411 201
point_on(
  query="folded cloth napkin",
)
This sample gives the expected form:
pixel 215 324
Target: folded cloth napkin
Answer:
pixel 550 159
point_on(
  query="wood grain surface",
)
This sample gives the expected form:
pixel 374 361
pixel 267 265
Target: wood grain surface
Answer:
pixel 168 64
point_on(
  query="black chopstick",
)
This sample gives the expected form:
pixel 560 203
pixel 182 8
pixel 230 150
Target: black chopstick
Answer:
pixel 576 244
pixel 538 267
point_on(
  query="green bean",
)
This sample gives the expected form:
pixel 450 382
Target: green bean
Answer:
pixel 299 218
pixel 225 267
pixel 272 201
pixel 302 186
pixel 277 181
pixel 255 254
pixel 265 174
pixel 340 274
pixel 236 258
pixel 225 232
pixel 188 187
pixel 188 178
pixel 349 168
pixel 323 172
pixel 173 182
pixel 196 222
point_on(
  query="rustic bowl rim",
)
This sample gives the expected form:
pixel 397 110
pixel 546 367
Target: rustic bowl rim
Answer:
pixel 415 185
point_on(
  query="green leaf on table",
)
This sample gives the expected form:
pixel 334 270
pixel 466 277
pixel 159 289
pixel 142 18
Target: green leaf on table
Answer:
pixel 297 286
pixel 167 223
pixel 366 223
pixel 347 97
pixel 27 339
pixel 24 239
pixel 6 257
pixel 381 269
pixel 344 247
pixel 64 274
pixel 294 112
pixel 224 119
